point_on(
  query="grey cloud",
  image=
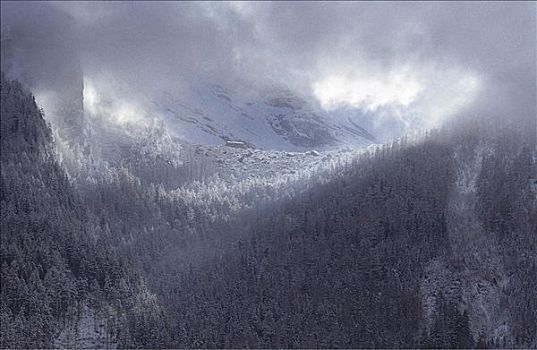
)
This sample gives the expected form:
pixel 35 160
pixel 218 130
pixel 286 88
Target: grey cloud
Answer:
pixel 166 45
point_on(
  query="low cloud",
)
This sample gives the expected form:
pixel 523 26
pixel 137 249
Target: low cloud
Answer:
pixel 426 61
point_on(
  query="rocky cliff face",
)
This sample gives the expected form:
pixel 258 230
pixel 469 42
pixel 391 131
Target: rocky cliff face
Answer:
pixel 33 58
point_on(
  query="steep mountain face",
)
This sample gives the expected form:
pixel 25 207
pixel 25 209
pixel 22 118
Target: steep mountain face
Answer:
pixel 23 128
pixel 56 257
pixel 60 87
pixel 208 112
pixel 275 119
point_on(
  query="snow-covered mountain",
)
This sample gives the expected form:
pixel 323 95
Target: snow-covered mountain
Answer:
pixel 274 119
pixel 206 109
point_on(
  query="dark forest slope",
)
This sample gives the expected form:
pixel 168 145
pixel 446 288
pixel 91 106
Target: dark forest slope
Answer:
pixel 375 257
pixel 425 243
pixel 52 261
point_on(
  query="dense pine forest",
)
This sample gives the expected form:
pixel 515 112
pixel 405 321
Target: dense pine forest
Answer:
pixel 428 242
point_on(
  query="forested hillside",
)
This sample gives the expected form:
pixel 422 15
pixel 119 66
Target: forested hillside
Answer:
pixel 54 257
pixel 426 242
pixel 373 258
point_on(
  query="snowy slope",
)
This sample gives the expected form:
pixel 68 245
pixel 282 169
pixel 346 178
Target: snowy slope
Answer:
pixel 90 330
pixel 277 119
pixel 269 164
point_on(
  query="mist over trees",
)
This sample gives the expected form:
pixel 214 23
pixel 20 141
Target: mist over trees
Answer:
pixel 426 242
pixel 127 221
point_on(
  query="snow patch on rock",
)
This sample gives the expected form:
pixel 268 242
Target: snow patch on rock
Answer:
pixel 88 330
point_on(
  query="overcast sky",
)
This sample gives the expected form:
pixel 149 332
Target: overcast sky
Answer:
pixel 426 60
